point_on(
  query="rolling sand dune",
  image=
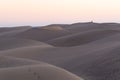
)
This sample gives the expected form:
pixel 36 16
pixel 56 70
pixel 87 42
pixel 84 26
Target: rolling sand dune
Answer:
pixel 81 27
pixel 82 38
pixel 88 50
pixel 37 72
pixel 79 60
pixel 22 69
pixel 14 28
pixel 12 43
pixel 9 32
pixel 42 34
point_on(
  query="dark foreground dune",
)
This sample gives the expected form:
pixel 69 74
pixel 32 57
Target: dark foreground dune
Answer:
pixel 81 51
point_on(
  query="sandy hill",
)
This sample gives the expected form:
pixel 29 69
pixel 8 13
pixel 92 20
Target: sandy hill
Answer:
pixel 14 28
pixel 43 33
pixel 22 69
pixel 10 32
pixel 11 43
pixel 80 27
pixel 82 38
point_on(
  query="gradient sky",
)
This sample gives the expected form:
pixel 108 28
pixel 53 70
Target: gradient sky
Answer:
pixel 43 12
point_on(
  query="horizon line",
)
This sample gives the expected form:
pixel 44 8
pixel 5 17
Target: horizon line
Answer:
pixel 37 25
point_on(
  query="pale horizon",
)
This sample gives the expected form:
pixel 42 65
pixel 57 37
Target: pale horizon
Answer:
pixel 45 12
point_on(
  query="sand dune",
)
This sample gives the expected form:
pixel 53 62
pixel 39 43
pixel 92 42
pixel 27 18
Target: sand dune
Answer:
pixel 88 50
pixel 53 28
pixel 83 61
pixel 82 38
pixel 81 27
pixel 41 34
pixel 11 62
pixel 36 72
pixel 22 69
pixel 11 43
pixel 10 32
pixel 14 28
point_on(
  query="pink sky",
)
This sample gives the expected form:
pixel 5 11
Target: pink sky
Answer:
pixel 43 12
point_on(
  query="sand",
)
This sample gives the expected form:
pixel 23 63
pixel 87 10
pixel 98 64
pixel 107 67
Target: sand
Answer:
pixel 22 69
pixel 80 51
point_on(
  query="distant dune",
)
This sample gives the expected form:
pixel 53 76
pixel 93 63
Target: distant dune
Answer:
pixel 79 51
pixel 53 28
pixel 41 34
pixel 82 38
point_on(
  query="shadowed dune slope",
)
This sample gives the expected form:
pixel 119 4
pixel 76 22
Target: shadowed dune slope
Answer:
pixel 82 38
pixel 22 69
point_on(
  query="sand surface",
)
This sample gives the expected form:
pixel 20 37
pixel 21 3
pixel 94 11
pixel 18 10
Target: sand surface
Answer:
pixel 80 51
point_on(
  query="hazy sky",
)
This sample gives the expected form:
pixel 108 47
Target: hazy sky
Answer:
pixel 42 12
